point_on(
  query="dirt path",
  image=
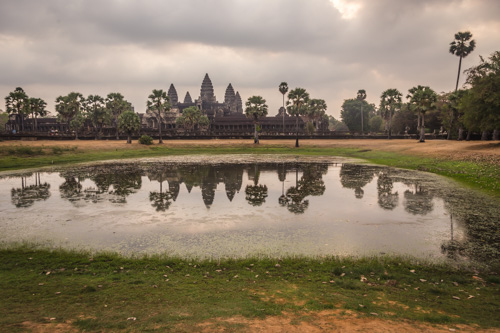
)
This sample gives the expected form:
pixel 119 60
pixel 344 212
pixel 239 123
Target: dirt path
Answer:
pixel 486 151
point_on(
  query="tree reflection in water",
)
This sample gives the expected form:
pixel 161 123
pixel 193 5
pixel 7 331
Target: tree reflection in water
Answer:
pixel 27 195
pixel 418 200
pixel 255 194
pixel 387 199
pixel 310 184
pixel 355 177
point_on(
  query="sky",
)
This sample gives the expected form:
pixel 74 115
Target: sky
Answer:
pixel 332 48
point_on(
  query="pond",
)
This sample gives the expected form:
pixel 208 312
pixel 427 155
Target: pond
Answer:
pixel 238 206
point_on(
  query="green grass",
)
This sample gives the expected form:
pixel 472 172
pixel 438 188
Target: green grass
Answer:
pixel 100 292
pixel 479 175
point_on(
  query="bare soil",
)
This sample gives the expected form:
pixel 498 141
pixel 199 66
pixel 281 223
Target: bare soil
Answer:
pixel 481 151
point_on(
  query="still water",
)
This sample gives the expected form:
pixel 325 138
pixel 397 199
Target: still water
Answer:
pixel 237 207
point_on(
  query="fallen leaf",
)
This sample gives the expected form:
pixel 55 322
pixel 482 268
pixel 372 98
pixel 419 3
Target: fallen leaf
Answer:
pixel 363 279
pixel 412 271
pixel 456 297
pixel 455 284
pixel 423 280
pixel 132 318
pixel 470 296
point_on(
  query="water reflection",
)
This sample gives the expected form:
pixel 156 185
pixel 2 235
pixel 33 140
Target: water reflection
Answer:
pixel 347 207
pixel 27 195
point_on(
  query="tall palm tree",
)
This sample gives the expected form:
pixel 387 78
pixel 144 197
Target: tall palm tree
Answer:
pixel 316 110
pixel 422 99
pixel 37 109
pixel 69 106
pixel 116 105
pixel 159 103
pixel 298 98
pixel 283 88
pixel 256 108
pixel 96 112
pixel 462 49
pixel 361 96
pixel 390 101
pixel 17 103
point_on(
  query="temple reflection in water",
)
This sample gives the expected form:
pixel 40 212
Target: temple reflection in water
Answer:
pixel 343 201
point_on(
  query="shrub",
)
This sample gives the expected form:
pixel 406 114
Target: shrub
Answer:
pixel 145 140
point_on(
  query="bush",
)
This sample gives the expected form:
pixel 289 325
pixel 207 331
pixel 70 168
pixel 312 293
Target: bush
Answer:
pixel 145 140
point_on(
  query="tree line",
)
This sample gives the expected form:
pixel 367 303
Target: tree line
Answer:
pixel 475 109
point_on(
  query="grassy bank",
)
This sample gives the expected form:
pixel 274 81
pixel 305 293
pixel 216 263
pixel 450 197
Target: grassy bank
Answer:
pixel 479 175
pixel 109 292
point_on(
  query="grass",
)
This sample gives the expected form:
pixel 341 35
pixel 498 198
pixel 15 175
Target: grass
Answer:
pixel 479 175
pixel 100 292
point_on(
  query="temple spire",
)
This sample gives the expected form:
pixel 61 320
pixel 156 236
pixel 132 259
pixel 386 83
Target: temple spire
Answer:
pixel 207 90
pixel 188 99
pixel 172 95
pixel 238 102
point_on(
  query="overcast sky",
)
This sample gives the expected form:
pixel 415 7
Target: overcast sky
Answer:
pixel 332 48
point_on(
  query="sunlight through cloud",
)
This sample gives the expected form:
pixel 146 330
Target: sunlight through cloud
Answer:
pixel 347 9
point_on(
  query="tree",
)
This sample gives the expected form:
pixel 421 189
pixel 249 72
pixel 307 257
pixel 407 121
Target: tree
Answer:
pixel 191 117
pixel 69 106
pixel 129 122
pixel 350 113
pixel 76 124
pixel 361 96
pixel 37 109
pixel 283 88
pixel 159 104
pixel 481 103
pixel 298 99
pixel 116 105
pixel 315 111
pixel 390 102
pixel 97 113
pixel 422 99
pixel 255 109
pixel 17 103
pixel 462 49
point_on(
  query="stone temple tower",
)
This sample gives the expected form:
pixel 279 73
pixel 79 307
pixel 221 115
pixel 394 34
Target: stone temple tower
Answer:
pixel 188 99
pixel 230 99
pixel 238 102
pixel 207 90
pixel 172 95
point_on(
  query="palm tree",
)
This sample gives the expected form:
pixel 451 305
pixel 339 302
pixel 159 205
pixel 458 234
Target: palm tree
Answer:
pixel 129 122
pixel 462 49
pixel 361 96
pixel 37 108
pixel 17 103
pixel 96 112
pixel 159 103
pixel 298 98
pixel 116 105
pixel 316 110
pixel 69 106
pixel 390 101
pixel 256 108
pixel 422 99
pixel 283 88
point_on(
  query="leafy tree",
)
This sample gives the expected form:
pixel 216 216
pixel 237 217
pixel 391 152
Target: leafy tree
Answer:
pixel 298 99
pixel 405 121
pixel 159 103
pixel 315 111
pixel 191 117
pixel 69 106
pixel 36 107
pixel 390 102
pixel 350 113
pixel 422 99
pixel 256 108
pixel 17 103
pixel 336 125
pixel 76 124
pixel 116 105
pixel 283 88
pixel 462 47
pixel 361 96
pixel 129 122
pixel 97 113
pixel 375 123
pixel 481 103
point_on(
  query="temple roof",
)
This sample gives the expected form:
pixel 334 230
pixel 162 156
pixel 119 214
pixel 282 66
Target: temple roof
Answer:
pixel 207 89
pixel 188 99
pixel 229 96
pixel 239 103
pixel 172 95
